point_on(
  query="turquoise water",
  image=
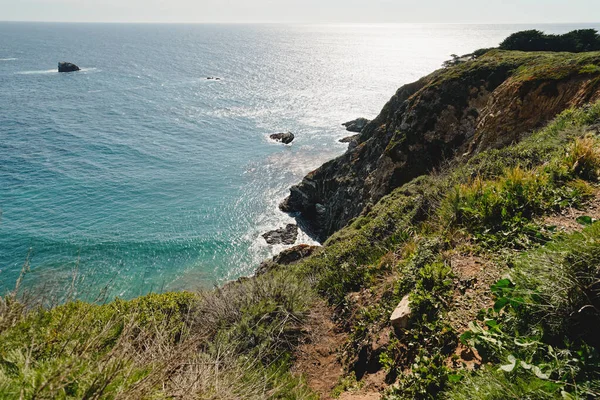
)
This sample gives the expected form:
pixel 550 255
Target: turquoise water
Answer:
pixel 141 174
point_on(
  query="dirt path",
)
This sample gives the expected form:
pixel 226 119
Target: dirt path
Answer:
pixel 566 221
pixel 317 357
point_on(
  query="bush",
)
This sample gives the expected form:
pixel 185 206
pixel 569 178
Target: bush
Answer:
pixel 534 40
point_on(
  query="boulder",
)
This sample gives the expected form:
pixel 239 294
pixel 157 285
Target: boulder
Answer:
pixel 286 257
pixel 287 235
pixel 348 139
pixel 356 125
pixel 401 314
pixel 67 67
pixel 285 137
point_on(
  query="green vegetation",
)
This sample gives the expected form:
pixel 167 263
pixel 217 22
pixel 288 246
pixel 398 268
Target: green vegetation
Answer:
pixel 537 339
pixel 543 327
pixel 577 41
pixel 408 234
pixel 230 343
pixel 523 66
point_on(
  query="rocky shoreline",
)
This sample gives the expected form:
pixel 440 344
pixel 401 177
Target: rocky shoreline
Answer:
pixel 425 124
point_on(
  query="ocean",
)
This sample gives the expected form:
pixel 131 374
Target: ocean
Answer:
pixel 139 174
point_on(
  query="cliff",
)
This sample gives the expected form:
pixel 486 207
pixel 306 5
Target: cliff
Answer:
pixel 456 112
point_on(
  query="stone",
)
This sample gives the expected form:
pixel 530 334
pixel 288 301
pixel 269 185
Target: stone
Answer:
pixel 285 137
pixel 287 235
pixel 67 67
pixel 401 314
pixel 356 125
pixel 348 139
pixel 286 257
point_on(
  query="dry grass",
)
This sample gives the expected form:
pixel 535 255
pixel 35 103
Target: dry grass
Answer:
pixel 229 343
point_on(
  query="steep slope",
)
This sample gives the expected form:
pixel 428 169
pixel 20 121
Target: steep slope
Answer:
pixel 462 110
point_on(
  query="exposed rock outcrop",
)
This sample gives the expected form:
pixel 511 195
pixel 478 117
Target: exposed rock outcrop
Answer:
pixel 356 125
pixel 67 67
pixel 401 315
pixel 287 235
pixel 349 139
pixel 458 111
pixel 285 137
pixel 286 257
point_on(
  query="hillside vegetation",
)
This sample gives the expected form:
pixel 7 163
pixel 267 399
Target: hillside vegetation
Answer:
pixel 504 303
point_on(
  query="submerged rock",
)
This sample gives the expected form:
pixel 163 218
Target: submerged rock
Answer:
pixel 286 257
pixel 356 125
pixel 67 67
pixel 287 235
pixel 285 137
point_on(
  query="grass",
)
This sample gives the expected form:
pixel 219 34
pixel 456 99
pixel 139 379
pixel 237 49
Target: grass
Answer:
pixel 542 331
pixel 523 66
pixel 224 344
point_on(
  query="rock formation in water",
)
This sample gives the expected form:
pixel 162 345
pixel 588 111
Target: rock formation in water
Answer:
pixel 287 235
pixel 285 137
pixel 67 67
pixel 348 139
pixel 356 125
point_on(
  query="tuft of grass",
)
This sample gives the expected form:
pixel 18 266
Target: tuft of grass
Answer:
pixel 500 211
pixel 583 158
pixel 560 285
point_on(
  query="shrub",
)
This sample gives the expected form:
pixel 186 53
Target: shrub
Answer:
pixel 534 40
pixel 260 316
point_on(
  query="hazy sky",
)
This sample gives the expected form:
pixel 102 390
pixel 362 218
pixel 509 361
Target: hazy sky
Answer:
pixel 484 11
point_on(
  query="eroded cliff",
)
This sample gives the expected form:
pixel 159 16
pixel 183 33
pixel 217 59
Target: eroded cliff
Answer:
pixel 459 111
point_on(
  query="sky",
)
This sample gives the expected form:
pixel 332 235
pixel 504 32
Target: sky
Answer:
pixel 303 11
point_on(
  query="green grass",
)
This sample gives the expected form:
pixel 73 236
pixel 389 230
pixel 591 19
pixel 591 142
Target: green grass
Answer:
pixel 525 66
pixel 230 343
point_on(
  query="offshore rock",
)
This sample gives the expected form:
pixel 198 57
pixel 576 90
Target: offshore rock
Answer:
pixel 356 125
pixel 285 138
pixel 455 112
pixel 286 257
pixel 287 235
pixel 67 67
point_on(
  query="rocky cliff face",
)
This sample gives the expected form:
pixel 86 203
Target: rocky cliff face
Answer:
pixel 454 112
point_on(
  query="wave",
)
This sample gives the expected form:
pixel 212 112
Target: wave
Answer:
pixel 48 71
pixel 8 59
pixel 52 71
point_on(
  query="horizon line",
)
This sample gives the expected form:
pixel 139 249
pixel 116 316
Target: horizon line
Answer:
pixel 295 22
